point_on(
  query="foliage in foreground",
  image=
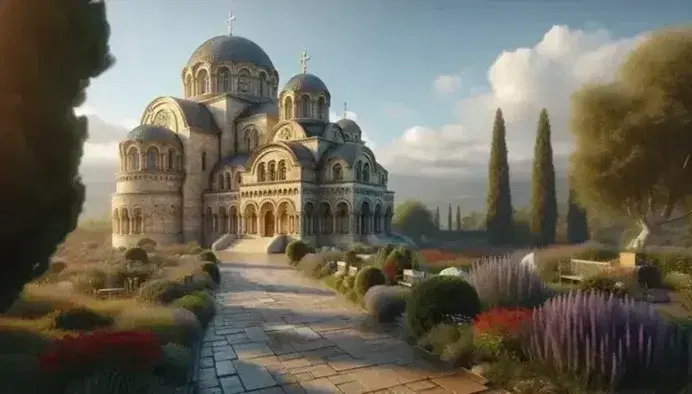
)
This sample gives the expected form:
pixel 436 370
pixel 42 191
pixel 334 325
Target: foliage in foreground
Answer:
pixel 386 303
pixel 48 53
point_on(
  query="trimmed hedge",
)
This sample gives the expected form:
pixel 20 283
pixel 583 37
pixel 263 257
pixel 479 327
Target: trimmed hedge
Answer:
pixel 366 278
pixel 438 299
pixel 296 250
pixel 161 291
pixel 213 270
pixel 137 254
pixel 80 319
pixel 200 303
pixel 208 255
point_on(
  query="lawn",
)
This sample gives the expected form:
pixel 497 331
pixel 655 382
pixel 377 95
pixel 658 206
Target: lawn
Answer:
pixel 70 337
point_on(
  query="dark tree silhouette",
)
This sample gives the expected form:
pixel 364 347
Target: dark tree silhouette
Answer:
pixel 498 220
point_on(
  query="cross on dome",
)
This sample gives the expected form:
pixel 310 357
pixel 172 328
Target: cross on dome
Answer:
pixel 229 22
pixel 304 58
pixel 345 110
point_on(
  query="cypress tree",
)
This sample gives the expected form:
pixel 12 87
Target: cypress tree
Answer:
pixel 437 217
pixel 49 50
pixel 543 200
pixel 449 218
pixel 498 220
pixel 458 227
pixel 577 222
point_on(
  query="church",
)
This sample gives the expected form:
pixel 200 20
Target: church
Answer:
pixel 236 158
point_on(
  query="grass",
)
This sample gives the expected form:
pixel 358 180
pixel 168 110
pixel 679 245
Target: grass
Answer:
pixel 31 324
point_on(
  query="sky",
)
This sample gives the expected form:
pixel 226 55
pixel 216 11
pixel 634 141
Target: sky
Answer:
pixel 422 78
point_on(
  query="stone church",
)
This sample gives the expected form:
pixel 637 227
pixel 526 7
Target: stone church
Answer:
pixel 239 159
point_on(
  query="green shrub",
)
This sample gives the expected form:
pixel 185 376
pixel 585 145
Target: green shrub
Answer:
pixel 353 296
pixel 174 365
pixel 208 255
pixel 213 271
pixel 366 278
pixel 346 284
pixel 161 291
pixel 57 267
pixel 649 277
pixel 296 250
pixel 137 254
pixel 80 319
pixel 352 260
pixel 147 244
pixel 604 283
pixel 200 303
pixel 437 299
pixel 453 343
pixel 386 303
pixel 404 258
pixel 174 325
pixel 555 260
pixel 314 265
pixel 334 281
pixel 112 381
pixel 677 281
pixel 359 248
pixel 383 253
pixel 202 281
pixel 670 260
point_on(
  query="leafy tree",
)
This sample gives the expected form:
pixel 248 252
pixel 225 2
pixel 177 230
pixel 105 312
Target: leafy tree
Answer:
pixel 633 139
pixel 499 200
pixel 458 219
pixel 437 217
pixel 577 224
pixel 49 50
pixel 414 220
pixel 543 200
pixel 449 218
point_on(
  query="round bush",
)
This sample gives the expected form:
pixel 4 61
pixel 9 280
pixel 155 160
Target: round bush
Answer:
pixel 200 303
pixel 161 291
pixel 649 277
pixel 603 283
pixel 366 278
pixel 208 255
pixel 296 250
pixel 436 300
pixel 80 319
pixel 174 364
pixel 213 270
pixel 146 243
pixel 137 254
pixel 386 303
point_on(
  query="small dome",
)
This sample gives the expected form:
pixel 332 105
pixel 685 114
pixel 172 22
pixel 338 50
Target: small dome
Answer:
pixel 153 133
pixel 349 127
pixel 307 83
pixel 234 49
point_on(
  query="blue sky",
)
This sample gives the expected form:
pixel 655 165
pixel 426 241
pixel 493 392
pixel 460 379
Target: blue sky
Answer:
pixel 381 56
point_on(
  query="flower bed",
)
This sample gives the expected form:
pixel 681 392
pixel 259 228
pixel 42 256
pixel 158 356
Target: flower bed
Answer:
pixel 69 340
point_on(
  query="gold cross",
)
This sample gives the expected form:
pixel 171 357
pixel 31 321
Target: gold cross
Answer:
pixel 304 58
pixel 229 23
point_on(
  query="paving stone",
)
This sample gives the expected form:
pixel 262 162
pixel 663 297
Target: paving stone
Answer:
pixel 352 388
pixel 340 379
pixel 206 362
pixel 319 386
pixel 323 371
pixel 459 384
pixel 421 385
pixel 225 353
pixel 237 338
pixel 293 388
pixel 256 334
pixel 224 368
pixel 252 350
pixel 254 376
pixel 272 390
pixel 231 385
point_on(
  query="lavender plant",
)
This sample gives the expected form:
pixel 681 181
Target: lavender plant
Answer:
pixel 608 342
pixel 505 282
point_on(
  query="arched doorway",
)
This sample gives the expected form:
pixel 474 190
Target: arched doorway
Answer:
pixel 285 211
pixel 365 218
pixel 250 220
pixel 268 220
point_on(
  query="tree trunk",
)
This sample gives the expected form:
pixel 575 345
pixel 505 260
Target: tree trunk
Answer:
pixel 641 240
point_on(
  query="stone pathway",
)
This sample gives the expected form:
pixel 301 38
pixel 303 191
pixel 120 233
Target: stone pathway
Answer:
pixel 279 332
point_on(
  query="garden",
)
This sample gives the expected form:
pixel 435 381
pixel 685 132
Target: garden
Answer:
pixel 105 320
pixel 517 324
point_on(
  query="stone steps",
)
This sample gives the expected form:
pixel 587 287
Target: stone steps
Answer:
pixel 249 245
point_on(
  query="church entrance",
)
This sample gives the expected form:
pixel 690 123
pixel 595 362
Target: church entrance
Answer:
pixel 269 223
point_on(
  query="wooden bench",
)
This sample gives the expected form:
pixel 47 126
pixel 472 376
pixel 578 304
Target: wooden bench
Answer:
pixel 111 292
pixel 411 278
pixel 580 269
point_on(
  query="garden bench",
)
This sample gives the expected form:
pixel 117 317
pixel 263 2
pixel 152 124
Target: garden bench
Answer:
pixel 412 277
pixel 111 292
pixel 580 269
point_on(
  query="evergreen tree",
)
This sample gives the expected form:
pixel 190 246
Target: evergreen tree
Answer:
pixel 577 223
pixel 543 200
pixel 449 218
pixel 498 221
pixel 49 50
pixel 458 224
pixel 437 217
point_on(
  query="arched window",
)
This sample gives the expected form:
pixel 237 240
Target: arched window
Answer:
pixel 227 181
pixel 224 80
pixel 262 84
pixel 272 170
pixel 337 172
pixel 261 173
pixel 133 159
pixel 366 173
pixel 152 159
pixel 288 108
pixel 321 108
pixel 238 180
pixel 171 159
pixel 282 170
pixel 202 82
pixel 188 85
pixel 305 106
pixel 244 81
pixel 137 222
pixel 204 161
pixel 219 183
pixel 359 170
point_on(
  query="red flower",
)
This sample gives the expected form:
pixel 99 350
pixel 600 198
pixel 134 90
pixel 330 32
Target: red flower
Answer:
pixel 501 321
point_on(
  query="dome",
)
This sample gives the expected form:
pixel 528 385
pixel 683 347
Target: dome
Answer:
pixel 153 133
pixel 349 127
pixel 234 49
pixel 307 83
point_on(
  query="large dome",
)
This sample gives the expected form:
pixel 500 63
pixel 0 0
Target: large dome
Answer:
pixel 234 49
pixel 307 83
pixel 153 133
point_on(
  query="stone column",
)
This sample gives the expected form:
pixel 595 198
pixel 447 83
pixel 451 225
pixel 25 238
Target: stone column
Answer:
pixel 241 224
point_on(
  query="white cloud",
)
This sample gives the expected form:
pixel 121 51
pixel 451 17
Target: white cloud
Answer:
pixel 521 82
pixel 100 152
pixel 446 84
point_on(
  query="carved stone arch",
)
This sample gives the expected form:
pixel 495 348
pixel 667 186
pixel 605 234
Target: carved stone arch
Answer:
pixel 287 130
pixel 244 79
pixel 362 200
pixel 249 204
pixel 178 123
pixel 259 155
pixel 251 137
pixel 269 201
